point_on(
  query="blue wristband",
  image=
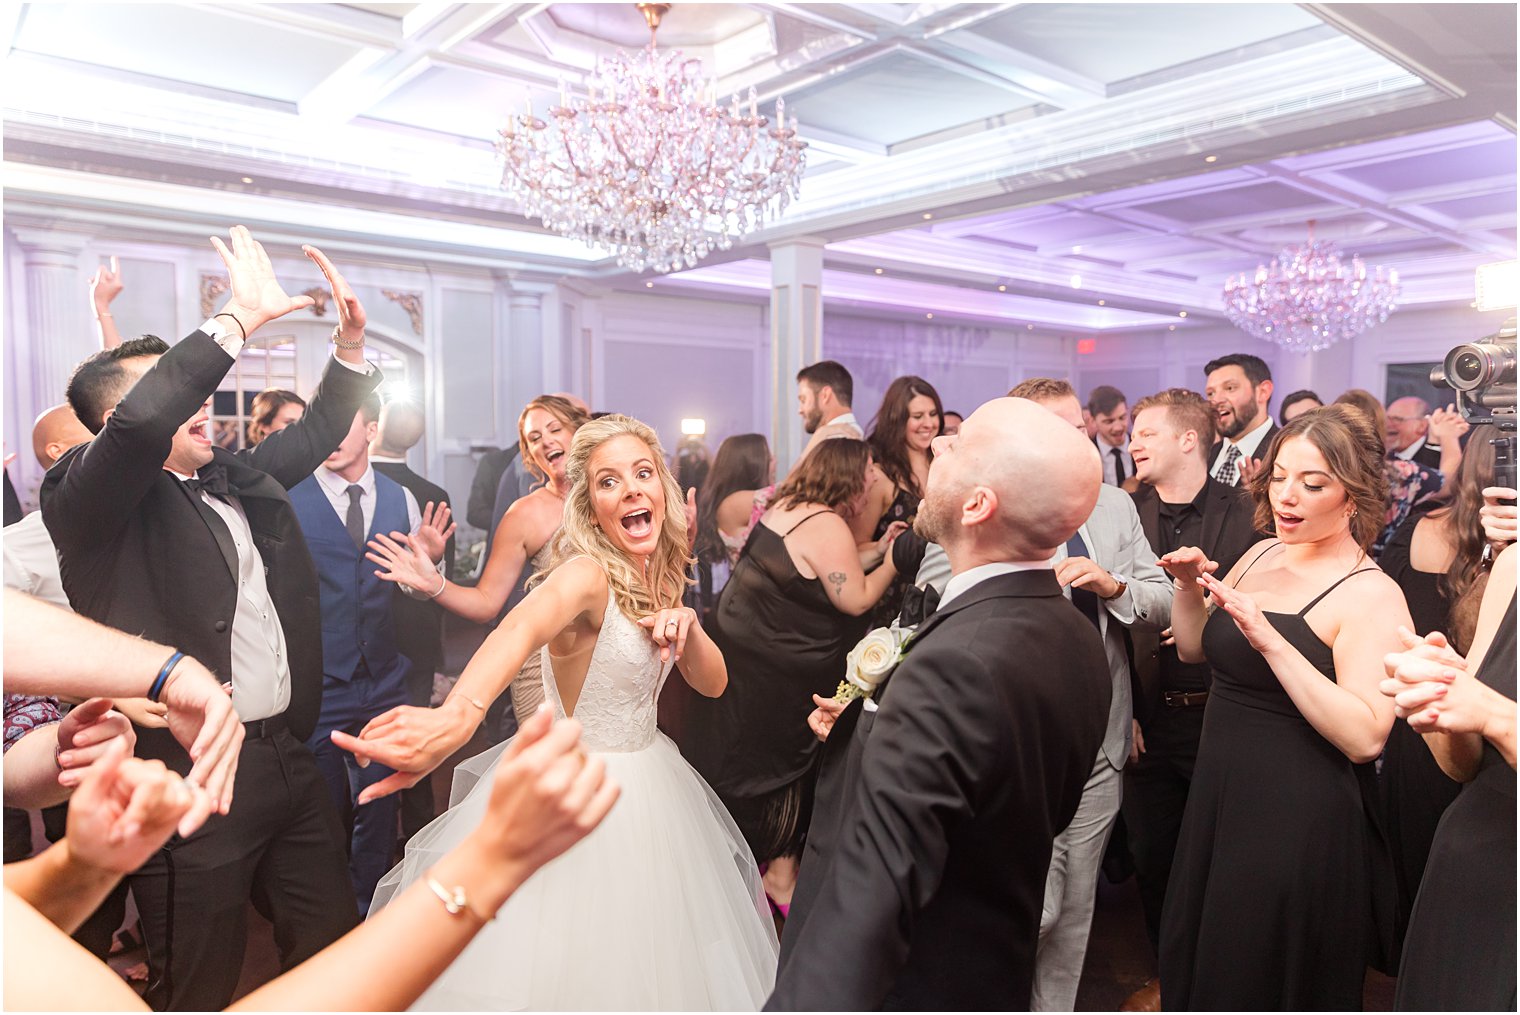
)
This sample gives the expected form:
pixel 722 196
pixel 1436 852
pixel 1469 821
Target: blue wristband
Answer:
pixel 163 676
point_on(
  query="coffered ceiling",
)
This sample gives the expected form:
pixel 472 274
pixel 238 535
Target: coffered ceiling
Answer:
pixel 1068 153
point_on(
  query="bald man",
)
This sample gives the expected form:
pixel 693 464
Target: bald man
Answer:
pixel 1408 432
pixel 977 754
pixel 31 560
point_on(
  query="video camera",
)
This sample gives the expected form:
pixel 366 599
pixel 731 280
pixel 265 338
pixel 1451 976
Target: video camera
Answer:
pixel 1482 374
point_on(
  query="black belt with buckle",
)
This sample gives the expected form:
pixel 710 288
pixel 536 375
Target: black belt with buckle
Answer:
pixel 1184 699
pixel 259 729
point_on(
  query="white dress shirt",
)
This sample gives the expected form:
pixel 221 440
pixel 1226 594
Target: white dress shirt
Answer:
pixel 1247 442
pixel 31 561
pixel 848 419
pixel 1106 452
pixel 1408 453
pixel 964 582
pixel 336 489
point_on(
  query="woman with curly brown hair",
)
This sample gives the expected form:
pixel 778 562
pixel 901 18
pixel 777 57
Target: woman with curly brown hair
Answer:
pixel 1273 883
pixel 909 419
pixel 790 613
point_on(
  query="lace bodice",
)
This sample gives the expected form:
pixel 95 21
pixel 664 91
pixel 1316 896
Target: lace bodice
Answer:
pixel 616 708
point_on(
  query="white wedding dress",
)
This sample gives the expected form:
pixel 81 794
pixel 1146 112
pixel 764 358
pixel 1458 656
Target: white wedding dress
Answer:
pixel 659 908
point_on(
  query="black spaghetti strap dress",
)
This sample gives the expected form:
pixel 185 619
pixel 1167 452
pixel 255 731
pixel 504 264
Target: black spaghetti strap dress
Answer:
pixel 783 641
pixel 1459 952
pixel 1270 901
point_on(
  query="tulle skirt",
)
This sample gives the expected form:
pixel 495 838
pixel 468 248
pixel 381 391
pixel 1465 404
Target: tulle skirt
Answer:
pixel 660 907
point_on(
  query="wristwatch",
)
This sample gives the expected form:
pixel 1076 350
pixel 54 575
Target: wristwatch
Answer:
pixel 1123 584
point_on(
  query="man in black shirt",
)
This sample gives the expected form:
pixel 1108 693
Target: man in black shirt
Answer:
pixel 1179 505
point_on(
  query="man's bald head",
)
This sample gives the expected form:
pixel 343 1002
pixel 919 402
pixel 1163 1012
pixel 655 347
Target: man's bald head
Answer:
pixel 1408 420
pixel 55 431
pixel 401 427
pixel 1017 480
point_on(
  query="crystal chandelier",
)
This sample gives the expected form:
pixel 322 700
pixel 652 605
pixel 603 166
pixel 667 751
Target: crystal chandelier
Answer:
pixel 1309 298
pixel 649 165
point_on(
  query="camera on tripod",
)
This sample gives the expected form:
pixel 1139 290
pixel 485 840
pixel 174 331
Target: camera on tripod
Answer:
pixel 1482 374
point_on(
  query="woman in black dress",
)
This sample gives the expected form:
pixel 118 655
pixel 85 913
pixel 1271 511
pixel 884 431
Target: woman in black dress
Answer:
pixel 1436 557
pixel 909 419
pixel 1459 953
pixel 790 613
pixel 1271 898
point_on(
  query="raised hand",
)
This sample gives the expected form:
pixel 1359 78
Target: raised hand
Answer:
pixel 1447 425
pixel 884 544
pixel 547 794
pixel 669 628
pixel 1242 608
pixel 1187 564
pixel 432 536
pixel 257 297
pixel 201 717
pixel 1247 466
pixel 106 285
pixel 125 810
pixel 403 560
pixel 351 316
pixel 84 736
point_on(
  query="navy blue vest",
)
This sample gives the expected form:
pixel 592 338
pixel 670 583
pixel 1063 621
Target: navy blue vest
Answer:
pixel 356 606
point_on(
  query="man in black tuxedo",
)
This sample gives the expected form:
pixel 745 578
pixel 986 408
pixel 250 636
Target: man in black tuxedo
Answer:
pixel 1179 505
pixel 419 622
pixel 1239 388
pixel 162 534
pixel 978 755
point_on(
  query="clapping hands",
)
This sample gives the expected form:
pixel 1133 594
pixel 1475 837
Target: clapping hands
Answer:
pixel 432 536
pixel 257 297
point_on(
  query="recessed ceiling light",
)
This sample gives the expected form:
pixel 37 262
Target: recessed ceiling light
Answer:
pixel 1182 313
pixel 1077 249
pixel 929 316
pixel 928 215
pixel 648 285
pixel 1002 288
pixel 1029 327
pixel 1103 303
pixel 247 179
pixel 1076 281
pixel 1171 327
pixel 880 270
pixel 1211 158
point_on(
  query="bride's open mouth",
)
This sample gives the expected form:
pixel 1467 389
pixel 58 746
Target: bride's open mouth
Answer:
pixel 638 524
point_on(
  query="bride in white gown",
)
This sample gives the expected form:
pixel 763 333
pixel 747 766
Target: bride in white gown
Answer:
pixel 661 907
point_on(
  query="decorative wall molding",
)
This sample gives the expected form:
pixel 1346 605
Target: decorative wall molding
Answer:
pixel 212 286
pixel 410 302
pixel 319 297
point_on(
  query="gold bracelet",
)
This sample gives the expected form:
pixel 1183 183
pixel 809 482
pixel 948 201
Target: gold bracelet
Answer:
pixel 336 340
pixel 454 900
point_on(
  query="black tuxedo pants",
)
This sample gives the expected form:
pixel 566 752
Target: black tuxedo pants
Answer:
pixel 281 846
pixel 1155 795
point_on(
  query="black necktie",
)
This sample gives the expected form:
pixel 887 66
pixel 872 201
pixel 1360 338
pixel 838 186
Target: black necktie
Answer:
pixel 1118 466
pixel 210 479
pixel 356 516
pixel 1083 599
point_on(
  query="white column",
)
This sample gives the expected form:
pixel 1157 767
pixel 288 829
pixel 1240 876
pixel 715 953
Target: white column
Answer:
pixel 59 329
pixel 796 337
pixel 524 359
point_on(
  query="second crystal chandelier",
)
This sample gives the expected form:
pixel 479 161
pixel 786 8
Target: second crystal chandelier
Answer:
pixel 648 165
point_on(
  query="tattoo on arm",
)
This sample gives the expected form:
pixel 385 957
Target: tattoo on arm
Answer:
pixel 837 579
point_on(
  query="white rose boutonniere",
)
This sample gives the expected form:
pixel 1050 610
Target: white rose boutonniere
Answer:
pixel 869 662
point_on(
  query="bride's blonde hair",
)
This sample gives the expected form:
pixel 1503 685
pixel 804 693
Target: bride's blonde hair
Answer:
pixel 580 535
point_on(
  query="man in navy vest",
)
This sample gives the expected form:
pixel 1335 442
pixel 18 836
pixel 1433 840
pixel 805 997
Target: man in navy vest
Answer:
pixel 341 507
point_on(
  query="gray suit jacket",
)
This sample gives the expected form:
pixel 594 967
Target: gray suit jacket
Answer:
pixel 1116 542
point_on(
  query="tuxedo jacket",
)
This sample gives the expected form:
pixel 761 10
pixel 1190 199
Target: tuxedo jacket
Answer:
pixel 1228 531
pixel 931 891
pixel 419 623
pixel 1427 456
pixel 137 554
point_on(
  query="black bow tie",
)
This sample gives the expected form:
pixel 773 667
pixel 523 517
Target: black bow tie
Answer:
pixel 211 479
pixel 918 605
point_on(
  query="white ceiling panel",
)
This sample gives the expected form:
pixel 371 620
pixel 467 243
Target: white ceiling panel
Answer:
pixel 1114 42
pixel 897 98
pixel 462 102
pixel 204 47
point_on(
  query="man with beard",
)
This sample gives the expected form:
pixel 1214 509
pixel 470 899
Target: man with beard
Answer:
pixel 824 392
pixel 978 757
pixel 1239 387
